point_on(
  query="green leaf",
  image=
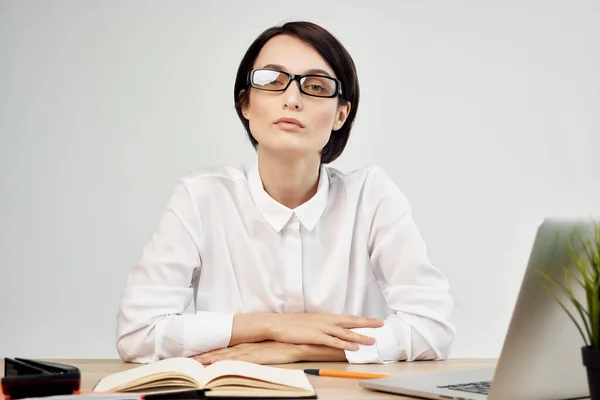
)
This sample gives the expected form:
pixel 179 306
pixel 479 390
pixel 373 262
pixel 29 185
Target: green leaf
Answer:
pixel 583 313
pixel 567 290
pixel 585 262
pixel 568 313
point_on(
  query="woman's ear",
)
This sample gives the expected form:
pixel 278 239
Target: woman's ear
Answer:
pixel 245 104
pixel 341 116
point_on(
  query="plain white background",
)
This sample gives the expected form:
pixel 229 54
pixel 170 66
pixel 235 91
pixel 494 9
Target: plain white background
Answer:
pixel 486 114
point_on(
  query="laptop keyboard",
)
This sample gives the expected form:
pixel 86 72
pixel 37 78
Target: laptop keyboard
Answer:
pixel 474 387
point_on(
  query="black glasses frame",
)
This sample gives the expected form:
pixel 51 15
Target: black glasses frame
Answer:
pixel 297 78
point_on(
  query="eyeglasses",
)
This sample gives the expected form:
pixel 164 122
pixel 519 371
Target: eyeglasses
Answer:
pixel 273 80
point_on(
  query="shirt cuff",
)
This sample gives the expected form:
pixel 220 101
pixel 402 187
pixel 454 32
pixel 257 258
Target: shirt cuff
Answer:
pixel 384 350
pixel 186 335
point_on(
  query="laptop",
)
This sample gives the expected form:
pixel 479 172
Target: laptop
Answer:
pixel 541 355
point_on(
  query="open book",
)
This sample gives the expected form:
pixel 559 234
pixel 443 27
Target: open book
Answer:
pixel 221 379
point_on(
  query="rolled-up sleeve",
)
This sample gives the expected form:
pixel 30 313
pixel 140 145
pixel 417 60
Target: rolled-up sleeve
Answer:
pixel 419 327
pixel 151 320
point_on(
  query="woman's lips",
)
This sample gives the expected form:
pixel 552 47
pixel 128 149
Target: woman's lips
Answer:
pixel 289 124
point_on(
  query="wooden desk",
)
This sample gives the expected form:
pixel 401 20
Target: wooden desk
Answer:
pixel 327 388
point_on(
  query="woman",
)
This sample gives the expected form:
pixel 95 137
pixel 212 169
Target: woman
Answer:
pixel 288 259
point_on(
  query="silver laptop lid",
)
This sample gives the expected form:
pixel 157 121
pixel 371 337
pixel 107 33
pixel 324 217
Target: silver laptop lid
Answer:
pixel 541 355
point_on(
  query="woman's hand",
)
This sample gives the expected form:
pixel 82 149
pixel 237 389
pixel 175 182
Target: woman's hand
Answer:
pixel 260 353
pixel 326 329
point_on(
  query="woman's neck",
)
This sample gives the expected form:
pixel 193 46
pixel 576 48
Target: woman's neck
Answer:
pixel 290 182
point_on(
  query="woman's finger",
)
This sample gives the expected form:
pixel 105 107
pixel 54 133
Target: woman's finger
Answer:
pixel 213 353
pixel 218 357
pixel 352 321
pixel 350 336
pixel 242 356
pixel 326 335
pixel 338 343
pixel 206 355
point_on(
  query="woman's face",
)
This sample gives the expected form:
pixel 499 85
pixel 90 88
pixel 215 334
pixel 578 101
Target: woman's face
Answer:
pixel 316 116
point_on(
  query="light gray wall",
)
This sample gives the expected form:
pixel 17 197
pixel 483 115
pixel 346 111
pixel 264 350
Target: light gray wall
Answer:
pixel 485 114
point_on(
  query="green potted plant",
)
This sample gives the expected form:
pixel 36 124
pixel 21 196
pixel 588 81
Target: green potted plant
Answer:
pixel 586 259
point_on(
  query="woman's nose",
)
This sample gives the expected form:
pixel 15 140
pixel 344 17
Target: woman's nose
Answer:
pixel 293 96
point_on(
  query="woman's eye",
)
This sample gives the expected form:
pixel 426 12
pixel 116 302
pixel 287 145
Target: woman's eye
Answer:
pixel 275 83
pixel 315 88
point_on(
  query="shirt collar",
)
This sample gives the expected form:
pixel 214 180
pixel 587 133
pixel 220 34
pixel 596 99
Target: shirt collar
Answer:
pixel 278 215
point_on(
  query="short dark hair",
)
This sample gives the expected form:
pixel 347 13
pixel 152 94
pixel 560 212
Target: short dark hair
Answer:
pixel 334 53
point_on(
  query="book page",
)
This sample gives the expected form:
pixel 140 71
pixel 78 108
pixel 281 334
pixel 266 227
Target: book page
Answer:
pixel 287 377
pixel 171 366
pixel 257 393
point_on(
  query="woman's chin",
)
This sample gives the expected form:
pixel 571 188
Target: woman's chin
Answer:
pixel 291 148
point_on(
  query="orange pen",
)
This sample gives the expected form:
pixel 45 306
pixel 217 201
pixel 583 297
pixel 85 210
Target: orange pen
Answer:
pixel 343 374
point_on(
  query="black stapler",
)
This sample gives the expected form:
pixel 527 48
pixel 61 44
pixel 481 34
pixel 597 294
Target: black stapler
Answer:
pixel 28 378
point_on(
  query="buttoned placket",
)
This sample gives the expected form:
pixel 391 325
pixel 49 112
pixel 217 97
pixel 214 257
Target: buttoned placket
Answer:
pixel 294 295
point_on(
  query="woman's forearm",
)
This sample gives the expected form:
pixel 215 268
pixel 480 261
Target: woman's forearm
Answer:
pixel 249 328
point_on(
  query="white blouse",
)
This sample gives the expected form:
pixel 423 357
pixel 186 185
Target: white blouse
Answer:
pixel 226 245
